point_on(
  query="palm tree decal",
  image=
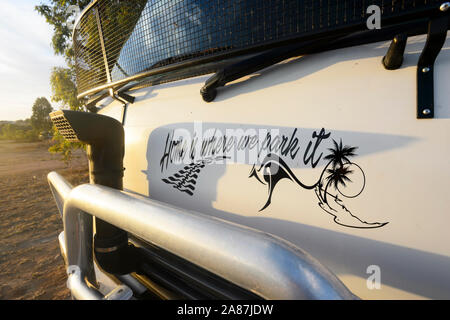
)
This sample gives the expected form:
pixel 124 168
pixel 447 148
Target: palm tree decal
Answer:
pixel 338 156
pixel 340 153
pixel 335 174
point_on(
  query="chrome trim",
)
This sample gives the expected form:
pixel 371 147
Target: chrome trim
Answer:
pixel 121 292
pixel 82 13
pixel 62 191
pixel 79 239
pixel 77 250
pixel 62 246
pixel 259 262
pixel 106 250
pixel 102 43
pixel 78 287
pixel 152 72
pixel 133 283
pixel 81 291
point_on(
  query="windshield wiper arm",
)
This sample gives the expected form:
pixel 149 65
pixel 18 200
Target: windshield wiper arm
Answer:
pixel 259 62
pixel 344 39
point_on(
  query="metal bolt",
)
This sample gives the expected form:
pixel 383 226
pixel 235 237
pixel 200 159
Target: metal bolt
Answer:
pixel 426 112
pixel 444 7
pixel 425 70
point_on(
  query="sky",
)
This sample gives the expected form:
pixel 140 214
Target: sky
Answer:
pixel 26 58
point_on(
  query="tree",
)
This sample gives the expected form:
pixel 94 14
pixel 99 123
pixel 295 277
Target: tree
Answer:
pixel 57 14
pixel 62 80
pixel 64 89
pixel 40 119
pixel 336 158
pixel 20 130
pixel 65 92
pixel 340 154
pixel 337 176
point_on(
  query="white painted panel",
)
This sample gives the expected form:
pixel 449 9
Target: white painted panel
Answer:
pixel 348 93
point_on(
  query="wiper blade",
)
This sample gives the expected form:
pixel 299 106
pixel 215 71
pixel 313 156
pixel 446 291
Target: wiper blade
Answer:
pixel 336 41
pixel 256 63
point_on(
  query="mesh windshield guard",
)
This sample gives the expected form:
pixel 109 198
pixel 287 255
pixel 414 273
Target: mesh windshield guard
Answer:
pixel 116 40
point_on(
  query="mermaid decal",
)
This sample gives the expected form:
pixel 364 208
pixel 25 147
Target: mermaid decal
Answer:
pixel 331 188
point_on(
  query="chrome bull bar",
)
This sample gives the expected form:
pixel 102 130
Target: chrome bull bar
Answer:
pixel 263 264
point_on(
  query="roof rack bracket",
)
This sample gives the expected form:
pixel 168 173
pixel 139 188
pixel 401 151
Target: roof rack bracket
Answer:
pixel 126 97
pixel 394 57
pixel 437 33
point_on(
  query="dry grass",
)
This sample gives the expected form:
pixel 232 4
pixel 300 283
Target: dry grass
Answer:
pixel 31 266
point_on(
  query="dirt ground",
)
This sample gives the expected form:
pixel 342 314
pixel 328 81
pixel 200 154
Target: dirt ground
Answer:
pixel 31 266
